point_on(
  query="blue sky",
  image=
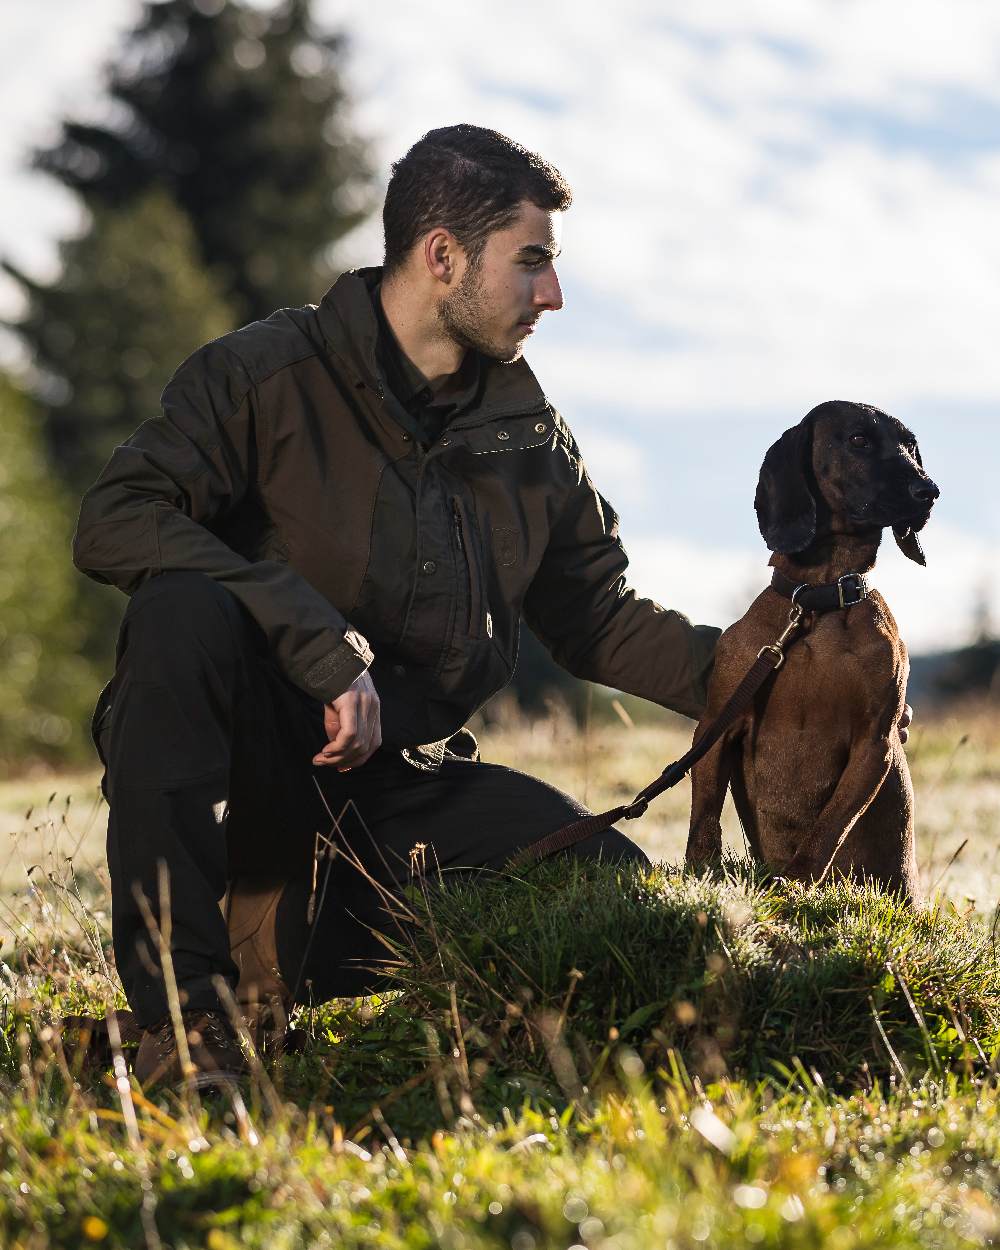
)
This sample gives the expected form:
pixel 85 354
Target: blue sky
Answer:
pixel 777 202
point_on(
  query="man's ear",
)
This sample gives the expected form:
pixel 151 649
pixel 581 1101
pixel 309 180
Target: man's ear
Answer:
pixel 784 503
pixel 441 250
pixel 908 543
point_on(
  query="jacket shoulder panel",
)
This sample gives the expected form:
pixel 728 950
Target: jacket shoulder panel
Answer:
pixel 227 368
pixel 283 339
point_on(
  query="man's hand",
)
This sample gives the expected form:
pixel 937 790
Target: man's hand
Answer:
pixel 904 722
pixel 353 726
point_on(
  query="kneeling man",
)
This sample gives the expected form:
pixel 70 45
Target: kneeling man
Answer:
pixel 330 538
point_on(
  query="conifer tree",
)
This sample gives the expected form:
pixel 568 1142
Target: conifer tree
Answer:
pixel 239 114
pixel 132 301
pixel 214 196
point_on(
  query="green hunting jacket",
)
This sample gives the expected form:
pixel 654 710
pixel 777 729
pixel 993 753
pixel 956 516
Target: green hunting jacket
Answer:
pixel 277 468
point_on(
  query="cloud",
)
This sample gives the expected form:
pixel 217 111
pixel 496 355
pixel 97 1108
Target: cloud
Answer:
pixel 622 464
pixel 723 202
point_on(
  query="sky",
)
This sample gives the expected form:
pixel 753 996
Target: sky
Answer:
pixel 777 202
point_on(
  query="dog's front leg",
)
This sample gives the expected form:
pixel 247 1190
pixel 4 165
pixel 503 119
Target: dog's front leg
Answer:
pixel 709 781
pixel 867 767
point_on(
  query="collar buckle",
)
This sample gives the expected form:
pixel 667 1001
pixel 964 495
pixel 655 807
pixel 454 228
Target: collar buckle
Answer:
pixel 861 589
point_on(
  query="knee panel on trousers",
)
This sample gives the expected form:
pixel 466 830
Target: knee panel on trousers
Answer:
pixel 178 611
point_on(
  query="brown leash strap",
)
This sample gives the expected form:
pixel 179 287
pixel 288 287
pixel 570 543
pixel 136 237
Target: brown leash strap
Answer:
pixel 769 659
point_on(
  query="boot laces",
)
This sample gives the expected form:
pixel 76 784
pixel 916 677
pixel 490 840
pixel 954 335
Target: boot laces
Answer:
pixel 210 1028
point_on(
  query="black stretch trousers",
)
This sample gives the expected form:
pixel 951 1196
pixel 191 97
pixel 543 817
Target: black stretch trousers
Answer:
pixel 208 769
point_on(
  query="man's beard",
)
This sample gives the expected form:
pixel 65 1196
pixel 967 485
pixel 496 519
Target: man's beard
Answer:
pixel 462 319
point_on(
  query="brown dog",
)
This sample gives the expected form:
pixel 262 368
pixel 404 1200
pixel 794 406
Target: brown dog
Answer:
pixel 816 767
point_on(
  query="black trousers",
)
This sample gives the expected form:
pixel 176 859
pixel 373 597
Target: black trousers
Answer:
pixel 208 770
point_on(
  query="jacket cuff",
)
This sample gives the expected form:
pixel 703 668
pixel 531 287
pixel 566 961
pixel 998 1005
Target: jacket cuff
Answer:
pixel 335 672
pixel 704 639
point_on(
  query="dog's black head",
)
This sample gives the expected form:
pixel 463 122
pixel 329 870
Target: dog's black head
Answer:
pixel 848 468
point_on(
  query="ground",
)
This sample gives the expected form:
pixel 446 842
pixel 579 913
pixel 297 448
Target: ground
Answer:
pixel 604 1059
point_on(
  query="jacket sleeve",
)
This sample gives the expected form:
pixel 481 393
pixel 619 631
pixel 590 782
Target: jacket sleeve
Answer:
pixel 594 625
pixel 156 504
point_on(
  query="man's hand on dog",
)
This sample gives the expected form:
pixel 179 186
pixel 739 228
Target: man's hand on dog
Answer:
pixel 353 726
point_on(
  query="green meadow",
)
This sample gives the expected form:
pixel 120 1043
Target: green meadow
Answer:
pixel 570 1056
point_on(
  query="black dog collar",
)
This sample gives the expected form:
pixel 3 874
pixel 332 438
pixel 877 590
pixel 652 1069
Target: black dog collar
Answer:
pixel 845 592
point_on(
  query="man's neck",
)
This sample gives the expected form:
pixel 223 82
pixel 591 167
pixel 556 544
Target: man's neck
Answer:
pixel 419 334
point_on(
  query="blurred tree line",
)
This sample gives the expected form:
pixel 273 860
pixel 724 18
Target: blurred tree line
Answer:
pixel 216 188
pixel 217 185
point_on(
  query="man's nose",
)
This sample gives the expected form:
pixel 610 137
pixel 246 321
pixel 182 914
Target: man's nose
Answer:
pixel 548 292
pixel 925 491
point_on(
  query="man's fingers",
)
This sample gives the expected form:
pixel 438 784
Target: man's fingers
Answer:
pixel 347 710
pixel 368 737
pixel 374 743
pixel 353 725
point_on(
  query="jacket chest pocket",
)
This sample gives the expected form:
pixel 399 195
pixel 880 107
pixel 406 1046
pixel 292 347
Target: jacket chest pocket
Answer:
pixel 471 571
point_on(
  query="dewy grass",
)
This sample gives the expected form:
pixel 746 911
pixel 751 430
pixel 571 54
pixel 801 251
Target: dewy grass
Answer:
pixel 743 1167
pixel 576 1055
pixel 733 974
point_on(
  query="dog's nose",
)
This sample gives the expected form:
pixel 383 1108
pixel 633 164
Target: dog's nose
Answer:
pixel 924 492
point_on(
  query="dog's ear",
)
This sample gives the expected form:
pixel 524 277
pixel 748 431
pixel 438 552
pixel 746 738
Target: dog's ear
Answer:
pixel 784 503
pixel 908 543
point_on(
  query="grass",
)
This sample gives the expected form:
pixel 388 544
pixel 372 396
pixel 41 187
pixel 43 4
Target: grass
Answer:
pixel 575 1055
pixel 734 974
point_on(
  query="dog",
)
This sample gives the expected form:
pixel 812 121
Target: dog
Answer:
pixel 816 766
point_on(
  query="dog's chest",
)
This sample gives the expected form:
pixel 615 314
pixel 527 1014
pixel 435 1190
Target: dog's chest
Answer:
pixel 830 690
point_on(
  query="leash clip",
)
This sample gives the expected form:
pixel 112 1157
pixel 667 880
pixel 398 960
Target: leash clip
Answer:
pixel 777 648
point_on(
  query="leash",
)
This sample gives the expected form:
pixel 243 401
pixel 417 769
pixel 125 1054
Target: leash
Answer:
pixel 769 659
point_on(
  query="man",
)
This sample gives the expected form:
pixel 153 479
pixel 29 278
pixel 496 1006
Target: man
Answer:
pixel 330 537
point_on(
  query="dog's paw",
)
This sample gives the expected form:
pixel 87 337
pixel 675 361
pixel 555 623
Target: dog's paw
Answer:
pixel 799 869
pixel 699 861
pixel 704 848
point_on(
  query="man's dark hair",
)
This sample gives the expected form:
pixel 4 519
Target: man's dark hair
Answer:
pixel 469 180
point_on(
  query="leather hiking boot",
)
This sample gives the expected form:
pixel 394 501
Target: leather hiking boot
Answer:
pixel 215 1050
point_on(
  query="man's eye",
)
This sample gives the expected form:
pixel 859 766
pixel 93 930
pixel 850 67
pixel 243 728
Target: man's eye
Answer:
pixel 859 440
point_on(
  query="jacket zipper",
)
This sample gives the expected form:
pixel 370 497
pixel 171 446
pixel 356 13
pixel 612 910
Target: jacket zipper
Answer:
pixel 463 542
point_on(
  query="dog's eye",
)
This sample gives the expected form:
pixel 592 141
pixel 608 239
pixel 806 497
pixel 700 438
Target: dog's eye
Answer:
pixel 859 440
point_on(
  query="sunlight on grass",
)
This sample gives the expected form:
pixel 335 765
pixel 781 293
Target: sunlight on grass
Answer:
pixel 575 1055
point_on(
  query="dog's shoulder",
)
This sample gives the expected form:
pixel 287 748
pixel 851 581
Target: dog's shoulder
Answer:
pixel 873 631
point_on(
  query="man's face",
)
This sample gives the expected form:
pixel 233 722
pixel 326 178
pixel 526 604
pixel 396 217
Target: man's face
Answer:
pixel 497 302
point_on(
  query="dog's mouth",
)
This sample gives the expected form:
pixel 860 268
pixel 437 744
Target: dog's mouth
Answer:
pixel 901 516
pixel 915 519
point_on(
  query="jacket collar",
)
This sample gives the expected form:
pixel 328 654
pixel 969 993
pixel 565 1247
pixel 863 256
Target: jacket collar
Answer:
pixel 347 321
